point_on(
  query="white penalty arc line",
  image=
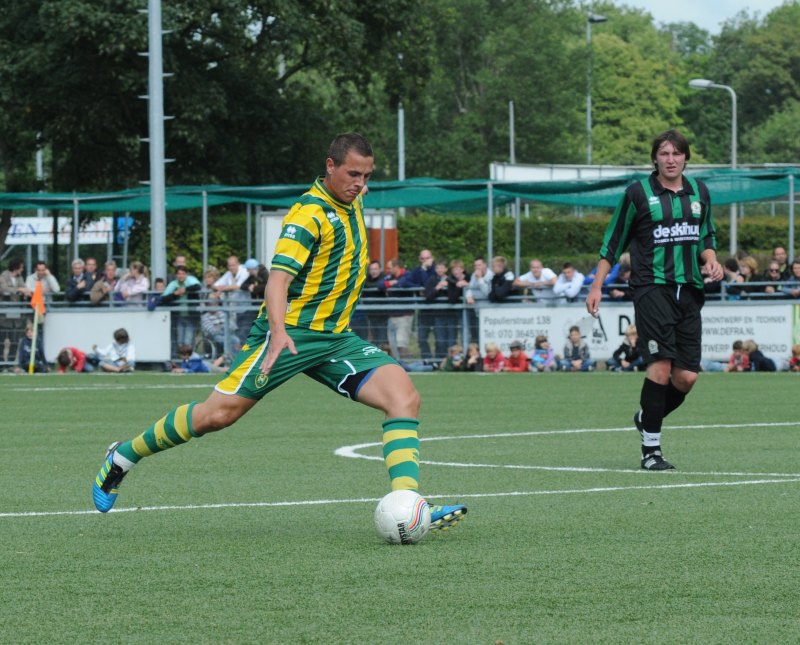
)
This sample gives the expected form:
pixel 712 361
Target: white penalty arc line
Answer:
pixel 351 452
pixel 364 500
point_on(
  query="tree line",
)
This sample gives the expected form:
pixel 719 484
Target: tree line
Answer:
pixel 259 87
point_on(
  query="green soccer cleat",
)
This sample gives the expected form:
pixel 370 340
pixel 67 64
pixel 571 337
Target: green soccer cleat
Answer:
pixel 443 517
pixel 106 484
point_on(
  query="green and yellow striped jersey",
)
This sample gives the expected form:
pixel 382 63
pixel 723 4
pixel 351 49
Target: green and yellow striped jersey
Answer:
pixel 323 244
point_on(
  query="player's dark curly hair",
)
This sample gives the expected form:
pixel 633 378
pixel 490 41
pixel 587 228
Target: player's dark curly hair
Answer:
pixel 676 139
pixel 346 142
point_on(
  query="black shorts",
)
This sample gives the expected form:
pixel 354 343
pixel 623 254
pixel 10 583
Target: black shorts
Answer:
pixel 669 324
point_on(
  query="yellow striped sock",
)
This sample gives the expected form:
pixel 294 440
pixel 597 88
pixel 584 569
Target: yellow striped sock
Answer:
pixel 169 431
pixel 401 452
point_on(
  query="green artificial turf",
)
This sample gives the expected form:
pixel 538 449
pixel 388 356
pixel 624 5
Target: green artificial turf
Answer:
pixel 261 533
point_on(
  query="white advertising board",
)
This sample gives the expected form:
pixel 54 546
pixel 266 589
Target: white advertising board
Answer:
pixel 39 230
pixel 774 326
pixel 149 331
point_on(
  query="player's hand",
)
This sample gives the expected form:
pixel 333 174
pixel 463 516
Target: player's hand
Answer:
pixel 593 301
pixel 278 341
pixel 713 270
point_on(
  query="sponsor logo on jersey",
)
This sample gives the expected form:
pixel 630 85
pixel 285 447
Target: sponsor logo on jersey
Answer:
pixel 652 347
pixel 370 350
pixel 261 381
pixel 653 200
pixel 290 232
pixel 332 217
pixel 681 232
pixel 697 208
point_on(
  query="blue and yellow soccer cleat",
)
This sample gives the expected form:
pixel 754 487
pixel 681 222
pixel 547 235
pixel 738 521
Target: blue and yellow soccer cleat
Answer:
pixel 106 484
pixel 443 517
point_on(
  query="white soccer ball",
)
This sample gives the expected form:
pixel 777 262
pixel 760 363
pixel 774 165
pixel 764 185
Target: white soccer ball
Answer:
pixel 403 517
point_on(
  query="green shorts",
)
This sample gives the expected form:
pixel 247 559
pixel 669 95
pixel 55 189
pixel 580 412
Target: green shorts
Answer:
pixel 326 357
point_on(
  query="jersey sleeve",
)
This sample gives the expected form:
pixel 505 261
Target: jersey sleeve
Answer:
pixel 301 230
pixel 708 232
pixel 618 233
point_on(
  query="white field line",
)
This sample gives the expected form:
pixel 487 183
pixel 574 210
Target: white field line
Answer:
pixel 352 452
pixel 364 500
pixel 107 386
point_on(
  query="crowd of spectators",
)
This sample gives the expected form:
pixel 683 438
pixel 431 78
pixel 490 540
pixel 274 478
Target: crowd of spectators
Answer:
pixel 218 307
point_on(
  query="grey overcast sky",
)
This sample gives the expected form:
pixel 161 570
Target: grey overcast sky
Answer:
pixel 707 14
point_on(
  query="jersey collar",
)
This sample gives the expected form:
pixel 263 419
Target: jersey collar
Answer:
pixel 658 189
pixel 319 184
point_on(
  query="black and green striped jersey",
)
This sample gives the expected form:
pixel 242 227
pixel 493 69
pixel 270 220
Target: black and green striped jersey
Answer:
pixel 665 230
pixel 323 244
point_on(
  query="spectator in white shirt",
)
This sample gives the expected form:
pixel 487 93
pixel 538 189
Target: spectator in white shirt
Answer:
pixel 539 281
pixel 569 282
pixel 42 274
pixel 231 281
pixel 480 283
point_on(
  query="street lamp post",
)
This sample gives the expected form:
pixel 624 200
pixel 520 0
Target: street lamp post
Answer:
pixel 591 19
pixel 705 84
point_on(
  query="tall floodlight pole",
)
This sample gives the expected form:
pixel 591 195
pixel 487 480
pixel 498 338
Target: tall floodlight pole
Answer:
pixel 591 19
pixel 155 90
pixel 705 84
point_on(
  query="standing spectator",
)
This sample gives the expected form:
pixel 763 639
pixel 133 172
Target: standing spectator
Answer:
pixel 154 299
pixel 538 281
pixel 254 288
pixel 119 356
pixel 212 324
pixel 794 361
pixel 477 291
pixel 792 283
pixel 179 261
pixel 183 293
pixel 398 325
pixel 621 290
pixel 376 320
pixel 474 360
pixel 748 270
pixel 76 288
pixel 442 287
pixel 12 284
pixel 42 274
pixel 569 283
pixel 133 286
pixel 543 359
pixel 627 357
pixel 210 276
pixel 104 287
pixel 780 256
pixel 502 282
pixel 493 359
pixel 773 275
pixel 230 284
pixel 731 278
pixel 425 320
pixel 91 273
pixel 24 354
pixel 668 295
pixel 71 358
pixel 518 360
pixel 576 353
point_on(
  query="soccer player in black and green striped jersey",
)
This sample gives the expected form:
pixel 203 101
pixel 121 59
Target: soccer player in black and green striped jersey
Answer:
pixel 318 270
pixel 666 221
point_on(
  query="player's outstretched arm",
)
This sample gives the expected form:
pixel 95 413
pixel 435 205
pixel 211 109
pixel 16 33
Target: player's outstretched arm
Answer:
pixel 276 297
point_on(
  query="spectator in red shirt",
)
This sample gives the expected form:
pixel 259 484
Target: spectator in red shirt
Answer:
pixel 517 361
pixel 493 360
pixel 71 358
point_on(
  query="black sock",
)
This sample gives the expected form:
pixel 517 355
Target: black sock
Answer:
pixel 652 400
pixel 673 399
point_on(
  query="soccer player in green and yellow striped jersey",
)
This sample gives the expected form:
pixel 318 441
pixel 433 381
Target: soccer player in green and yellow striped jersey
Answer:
pixel 318 270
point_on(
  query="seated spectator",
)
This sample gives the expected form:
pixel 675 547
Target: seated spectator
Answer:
pixel 780 256
pixel 473 361
pixel 730 269
pixel 739 360
pixel 119 356
pixel 502 281
pixel 12 284
pixel 517 360
pixel 77 287
pixel 181 293
pixel 537 282
pixel 708 365
pixel 104 287
pixel 621 290
pixel 212 324
pixel 576 353
pixel 792 283
pixel 569 282
pixel 748 269
pixel 24 354
pixel 773 275
pixel 493 360
pixel 794 361
pixel 42 274
pixel 192 362
pixel 611 278
pixel 543 359
pixel 133 286
pixel 758 362
pixel 627 357
pixel 71 358
pixel 454 361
